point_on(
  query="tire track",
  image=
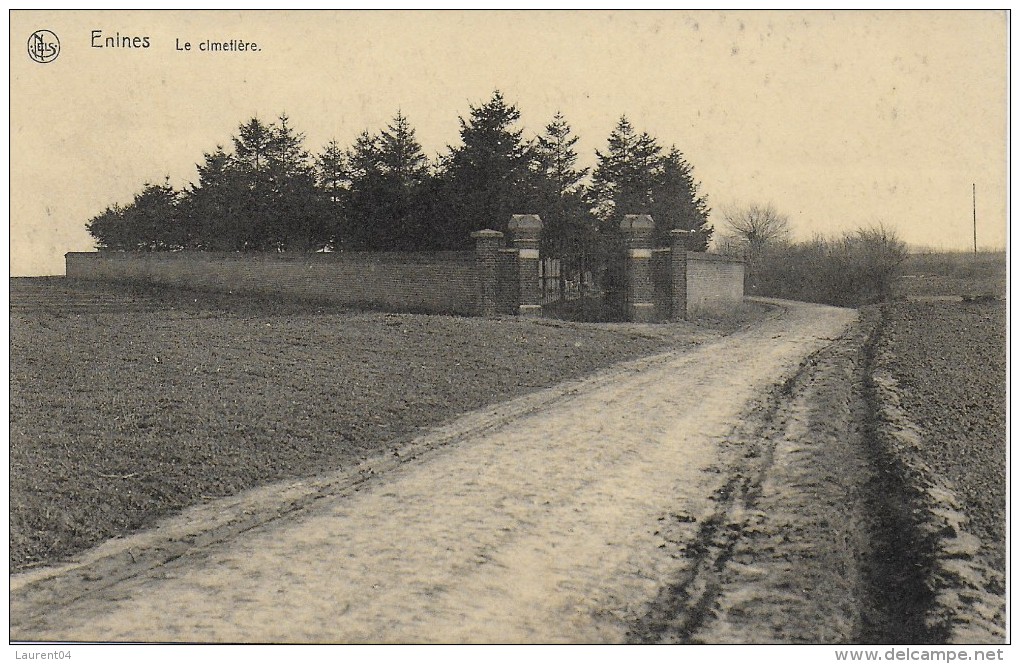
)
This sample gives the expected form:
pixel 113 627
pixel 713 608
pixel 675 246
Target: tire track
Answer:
pixel 550 528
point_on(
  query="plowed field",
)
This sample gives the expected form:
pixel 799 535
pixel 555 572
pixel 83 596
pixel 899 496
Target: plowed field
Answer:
pixel 130 404
pixel 949 359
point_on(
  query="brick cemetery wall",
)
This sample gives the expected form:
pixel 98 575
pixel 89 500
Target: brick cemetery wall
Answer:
pixel 440 282
pixel 713 282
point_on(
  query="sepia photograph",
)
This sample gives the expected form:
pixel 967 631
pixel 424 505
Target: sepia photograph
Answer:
pixel 509 327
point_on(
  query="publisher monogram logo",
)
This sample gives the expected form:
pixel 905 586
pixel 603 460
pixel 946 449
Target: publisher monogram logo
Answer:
pixel 43 46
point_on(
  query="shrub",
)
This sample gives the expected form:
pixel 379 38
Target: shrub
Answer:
pixel 855 269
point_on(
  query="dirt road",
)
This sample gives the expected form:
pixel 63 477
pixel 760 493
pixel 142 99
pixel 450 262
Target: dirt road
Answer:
pixel 560 526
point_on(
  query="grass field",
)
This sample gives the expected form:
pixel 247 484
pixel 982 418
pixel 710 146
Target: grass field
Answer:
pixel 128 405
pixel 953 273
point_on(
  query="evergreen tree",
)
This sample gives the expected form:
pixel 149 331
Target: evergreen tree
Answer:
pixel 403 169
pixel 287 156
pixel 262 197
pixel 269 194
pixel 214 209
pixel 676 202
pixel 331 172
pixel 385 202
pixel 154 213
pixel 624 176
pixel 400 155
pixel 149 223
pixel 269 182
pixel 109 231
pixel 621 184
pixel 634 177
pixel 333 181
pixel 361 205
pixel 487 178
pixel 250 164
pixel 252 146
pixel 295 219
pixel 569 230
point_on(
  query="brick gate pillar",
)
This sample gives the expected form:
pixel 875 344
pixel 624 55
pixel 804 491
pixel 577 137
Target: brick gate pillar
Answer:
pixel 525 231
pixel 487 246
pixel 640 291
pixel 680 241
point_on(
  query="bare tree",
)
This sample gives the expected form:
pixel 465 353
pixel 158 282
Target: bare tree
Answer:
pixel 757 226
pixel 728 244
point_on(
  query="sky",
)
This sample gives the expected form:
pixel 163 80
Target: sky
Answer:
pixel 840 119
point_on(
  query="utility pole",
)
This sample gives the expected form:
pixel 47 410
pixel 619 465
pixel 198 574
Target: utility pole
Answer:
pixel 973 189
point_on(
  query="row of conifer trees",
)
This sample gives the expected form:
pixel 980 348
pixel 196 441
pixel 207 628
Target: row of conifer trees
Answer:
pixel 268 193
